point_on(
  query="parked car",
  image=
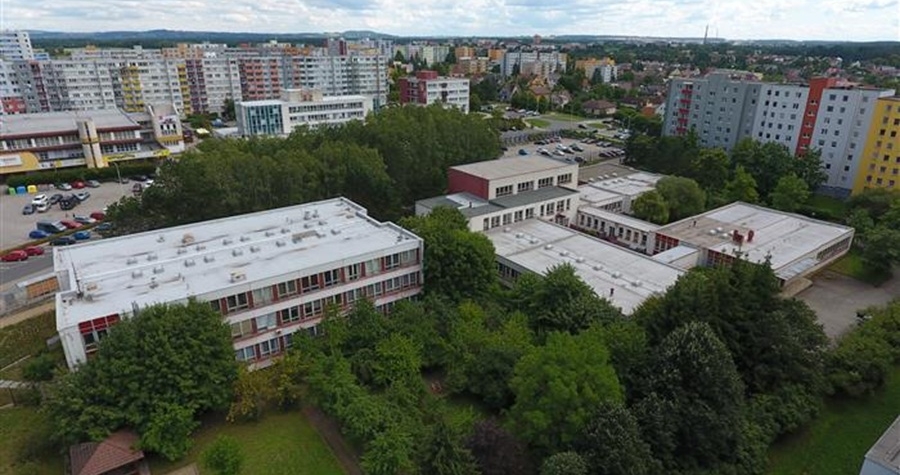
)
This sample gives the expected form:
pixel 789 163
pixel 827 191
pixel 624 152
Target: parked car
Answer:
pixel 78 184
pixel 98 215
pixel 14 256
pixel 82 195
pixel 63 241
pixel 28 209
pixel 92 184
pixel 137 189
pixel 522 151
pixel 50 227
pixel 103 227
pixel 68 203
pixel 38 234
pixel 81 235
pixel 79 218
pixel 576 147
pixel 579 159
pixel 56 198
pixel 69 224
pixel 140 178
pixel 34 250
pixel 582 126
pixel 40 199
pixel 63 186
pixel 544 153
pixel 42 208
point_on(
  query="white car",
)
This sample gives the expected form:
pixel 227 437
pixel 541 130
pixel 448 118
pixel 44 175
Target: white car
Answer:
pixel 39 200
pixel 42 208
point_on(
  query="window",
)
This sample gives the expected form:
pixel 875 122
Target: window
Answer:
pixel 529 213
pixel 246 354
pixel 495 221
pixel 289 315
pixel 270 347
pixel 567 178
pixel 408 257
pixel 504 190
pixel 518 216
pixel 216 305
pixel 525 186
pixel 241 329
pixel 266 322
pixel 331 278
pixel 310 283
pixel 545 182
pixel 95 330
pixel 237 302
pixel 373 267
pixel 392 262
pixel 312 309
pixel 352 272
pixel 285 289
pixel 507 219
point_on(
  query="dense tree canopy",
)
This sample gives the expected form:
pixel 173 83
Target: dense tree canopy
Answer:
pixel 152 373
pixel 651 206
pixel 683 196
pixel 611 443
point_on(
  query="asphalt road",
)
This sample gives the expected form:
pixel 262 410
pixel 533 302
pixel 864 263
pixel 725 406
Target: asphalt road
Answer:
pixel 11 272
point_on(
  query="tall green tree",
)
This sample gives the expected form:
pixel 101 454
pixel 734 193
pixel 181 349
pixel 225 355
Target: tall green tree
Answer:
pixel 651 206
pixel 789 194
pixel 710 169
pixel 683 196
pixel 564 463
pixel 741 187
pixel 611 443
pixel 444 452
pixel 497 451
pixel 557 387
pixel 152 373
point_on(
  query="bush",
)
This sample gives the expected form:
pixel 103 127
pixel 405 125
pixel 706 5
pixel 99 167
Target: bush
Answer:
pixel 224 456
pixel 862 359
pixel 69 175
pixel 40 368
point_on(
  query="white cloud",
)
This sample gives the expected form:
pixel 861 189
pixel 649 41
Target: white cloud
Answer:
pixel 737 19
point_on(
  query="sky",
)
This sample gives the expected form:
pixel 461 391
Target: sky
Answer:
pixel 850 20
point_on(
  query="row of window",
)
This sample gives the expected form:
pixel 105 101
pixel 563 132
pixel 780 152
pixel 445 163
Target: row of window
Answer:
pixel 548 209
pixel 524 186
pixel 622 233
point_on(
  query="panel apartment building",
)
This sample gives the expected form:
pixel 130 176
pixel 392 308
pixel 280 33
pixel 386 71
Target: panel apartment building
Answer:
pixel 426 88
pixel 269 274
pixel 728 106
pixel 299 108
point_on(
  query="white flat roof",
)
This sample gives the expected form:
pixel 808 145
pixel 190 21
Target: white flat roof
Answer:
pixel 622 219
pixel 596 196
pixel 603 266
pixel 510 167
pixel 886 451
pixel 46 122
pixel 631 185
pixel 783 236
pixel 173 264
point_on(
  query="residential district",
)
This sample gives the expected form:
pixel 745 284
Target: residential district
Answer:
pixel 484 256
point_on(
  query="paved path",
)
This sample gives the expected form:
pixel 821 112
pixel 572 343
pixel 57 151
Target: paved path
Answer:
pixel 25 314
pixel 836 298
pixel 6 384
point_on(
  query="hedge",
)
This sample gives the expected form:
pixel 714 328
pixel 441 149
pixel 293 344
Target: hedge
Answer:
pixel 69 175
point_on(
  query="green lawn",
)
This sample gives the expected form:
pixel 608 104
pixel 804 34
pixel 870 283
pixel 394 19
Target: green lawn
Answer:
pixel 563 117
pixel 540 123
pixel 598 125
pixel 21 429
pixel 836 442
pixel 281 443
pixel 852 265
pixel 26 338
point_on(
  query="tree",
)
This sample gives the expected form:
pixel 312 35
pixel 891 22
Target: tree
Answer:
pixel 228 110
pixel 564 463
pixel 742 187
pixel 683 196
pixel 458 263
pixel 881 248
pixel 152 373
pixel 497 451
pixel 390 453
pixel 397 361
pixel 444 453
pixel 651 206
pixel 557 387
pixel 611 443
pixel 560 301
pixel 253 392
pixel 790 193
pixel 224 456
pixel 710 169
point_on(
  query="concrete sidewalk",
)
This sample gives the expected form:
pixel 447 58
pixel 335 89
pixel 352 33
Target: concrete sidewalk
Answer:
pixel 26 313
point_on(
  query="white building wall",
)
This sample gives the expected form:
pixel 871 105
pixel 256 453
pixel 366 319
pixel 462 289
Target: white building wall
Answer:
pixel 448 91
pixel 15 45
pixel 535 181
pixel 779 114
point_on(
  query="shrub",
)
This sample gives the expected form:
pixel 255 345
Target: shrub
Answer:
pixel 224 456
pixel 68 175
pixel 40 368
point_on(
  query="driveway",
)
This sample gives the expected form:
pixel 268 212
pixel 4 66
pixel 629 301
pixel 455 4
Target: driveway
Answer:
pixel 836 298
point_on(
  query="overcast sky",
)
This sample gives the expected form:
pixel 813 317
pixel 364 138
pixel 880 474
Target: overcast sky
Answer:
pixel 859 20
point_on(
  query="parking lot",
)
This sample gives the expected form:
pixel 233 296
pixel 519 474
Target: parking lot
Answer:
pixel 591 153
pixel 16 226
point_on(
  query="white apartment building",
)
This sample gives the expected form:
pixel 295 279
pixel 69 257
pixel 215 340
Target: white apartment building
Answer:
pixel 150 81
pixel 840 133
pixel 342 75
pixel 15 45
pixel 427 88
pixel 779 113
pixel 212 80
pixel 270 274
pixel 299 108
pixel 536 62
pixel 82 85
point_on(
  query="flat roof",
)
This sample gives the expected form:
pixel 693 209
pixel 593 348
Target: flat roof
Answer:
pixel 534 196
pixel 510 167
pixel 45 122
pixel 173 264
pixel 886 451
pixel 785 237
pixel 622 219
pixel 632 185
pixel 472 206
pixel 674 254
pixel 538 246
pixel 278 102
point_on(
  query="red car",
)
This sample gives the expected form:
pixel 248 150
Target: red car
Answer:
pixel 15 256
pixel 98 215
pixel 78 184
pixel 69 224
pixel 34 250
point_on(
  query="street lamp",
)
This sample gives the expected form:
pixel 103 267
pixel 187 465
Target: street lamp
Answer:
pixel 119 176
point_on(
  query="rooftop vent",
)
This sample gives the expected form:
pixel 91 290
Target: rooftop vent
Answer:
pixel 713 232
pixel 237 252
pixel 153 283
pixel 200 247
pixel 189 263
pixel 238 276
pixel 188 238
pixel 315 214
pixel 548 247
pixel 91 287
pixel 209 258
pixel 322 234
pixel 297 238
pixel 614 174
pixel 519 235
pixel 506 230
pixel 307 225
pixel 245 238
pixel 307 215
pixel 158 270
pixel 725 235
pixel 322 222
pixel 564 253
pixel 280 243
pixel 270 233
pixel 637 283
pixel 579 260
pixel 136 273
pixel 285 230
pixel 598 267
pixel 227 241
pixel 719 229
pixel 181 251
pixel 590 180
pixel 160 238
pixel 616 274
pixel 152 256
pixel 335 231
pixel 131 261
pixel 254 248
pixel 533 241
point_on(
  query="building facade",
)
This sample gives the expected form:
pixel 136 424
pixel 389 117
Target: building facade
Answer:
pixel 540 63
pixel 299 108
pixel 427 88
pixel 879 165
pixel 269 274
pixel 15 45
pixel 605 69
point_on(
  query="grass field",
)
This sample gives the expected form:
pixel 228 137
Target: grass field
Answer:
pixel 852 265
pixel 541 123
pixel 26 338
pixel 836 442
pixel 23 427
pixel 598 125
pixel 563 117
pixel 282 443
